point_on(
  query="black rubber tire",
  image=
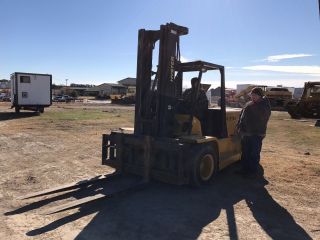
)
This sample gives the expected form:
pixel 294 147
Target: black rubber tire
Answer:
pixel 41 109
pixel 17 109
pixel 294 112
pixel 201 154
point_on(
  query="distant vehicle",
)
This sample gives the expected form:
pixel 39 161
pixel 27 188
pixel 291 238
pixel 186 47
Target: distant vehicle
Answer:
pixel 64 98
pixel 30 91
pixel 308 106
pixel 68 98
pixel 5 99
pixel 57 98
pixel 278 96
pixel 123 98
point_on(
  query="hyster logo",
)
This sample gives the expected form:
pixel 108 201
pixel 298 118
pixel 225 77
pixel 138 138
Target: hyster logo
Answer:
pixel 172 68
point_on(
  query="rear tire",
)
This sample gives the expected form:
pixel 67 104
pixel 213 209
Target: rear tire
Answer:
pixel 294 112
pixel 204 165
pixel 17 109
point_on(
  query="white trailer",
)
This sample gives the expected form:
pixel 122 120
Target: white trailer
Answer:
pixel 31 91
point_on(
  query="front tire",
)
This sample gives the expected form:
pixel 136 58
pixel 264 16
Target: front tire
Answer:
pixel 204 165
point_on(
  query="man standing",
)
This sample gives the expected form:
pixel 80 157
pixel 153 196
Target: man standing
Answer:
pixel 252 128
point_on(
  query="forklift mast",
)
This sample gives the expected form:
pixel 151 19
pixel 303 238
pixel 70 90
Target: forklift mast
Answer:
pixel 158 94
pixel 155 98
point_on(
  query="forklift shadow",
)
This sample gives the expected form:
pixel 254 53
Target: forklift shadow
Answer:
pixel 169 212
pixel 12 115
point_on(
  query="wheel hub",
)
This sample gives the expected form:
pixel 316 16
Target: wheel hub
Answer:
pixel 206 167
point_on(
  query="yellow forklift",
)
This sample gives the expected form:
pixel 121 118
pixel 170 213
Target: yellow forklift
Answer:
pixel 167 143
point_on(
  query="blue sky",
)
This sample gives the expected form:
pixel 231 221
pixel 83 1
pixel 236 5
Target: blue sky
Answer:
pixel 259 41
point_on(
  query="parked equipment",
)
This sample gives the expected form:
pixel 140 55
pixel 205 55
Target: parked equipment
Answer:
pixel 123 98
pixel 30 91
pixel 168 143
pixel 308 106
pixel 279 97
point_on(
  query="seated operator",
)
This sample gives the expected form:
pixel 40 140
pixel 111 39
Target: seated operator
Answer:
pixel 198 106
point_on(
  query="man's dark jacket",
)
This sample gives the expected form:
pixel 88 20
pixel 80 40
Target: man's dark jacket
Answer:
pixel 201 103
pixel 254 118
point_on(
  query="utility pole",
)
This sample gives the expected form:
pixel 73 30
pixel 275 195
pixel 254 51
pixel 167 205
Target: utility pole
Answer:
pixel 66 91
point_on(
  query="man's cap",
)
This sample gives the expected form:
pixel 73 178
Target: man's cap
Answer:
pixel 258 91
pixel 195 79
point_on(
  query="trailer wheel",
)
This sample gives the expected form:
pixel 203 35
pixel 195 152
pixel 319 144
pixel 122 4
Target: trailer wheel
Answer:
pixel 17 109
pixel 204 165
pixel 41 110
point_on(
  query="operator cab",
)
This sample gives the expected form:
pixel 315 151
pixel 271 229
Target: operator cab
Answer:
pixel 214 121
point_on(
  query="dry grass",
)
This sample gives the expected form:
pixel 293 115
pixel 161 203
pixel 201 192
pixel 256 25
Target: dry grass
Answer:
pixel 64 145
pixel 300 135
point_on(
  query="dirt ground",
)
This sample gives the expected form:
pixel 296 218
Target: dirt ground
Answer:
pixel 63 145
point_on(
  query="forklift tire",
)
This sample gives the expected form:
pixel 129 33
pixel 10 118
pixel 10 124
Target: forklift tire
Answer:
pixel 204 165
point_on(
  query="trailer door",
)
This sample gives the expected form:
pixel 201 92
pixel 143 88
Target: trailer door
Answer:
pixel 13 89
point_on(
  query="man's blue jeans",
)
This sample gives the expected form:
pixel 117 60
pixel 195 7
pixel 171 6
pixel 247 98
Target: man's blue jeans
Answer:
pixel 251 148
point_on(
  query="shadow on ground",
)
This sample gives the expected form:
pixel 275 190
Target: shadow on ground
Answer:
pixel 13 115
pixel 169 212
